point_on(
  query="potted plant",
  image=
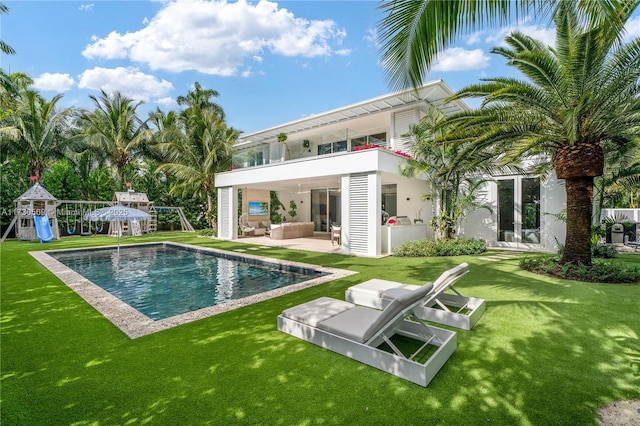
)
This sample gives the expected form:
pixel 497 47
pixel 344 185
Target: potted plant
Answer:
pixel 293 210
pixel 282 137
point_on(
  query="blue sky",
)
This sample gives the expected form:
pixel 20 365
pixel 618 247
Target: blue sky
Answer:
pixel 272 62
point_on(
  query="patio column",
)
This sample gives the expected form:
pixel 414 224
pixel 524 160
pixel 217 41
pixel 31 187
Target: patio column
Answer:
pixel 227 213
pixel 361 201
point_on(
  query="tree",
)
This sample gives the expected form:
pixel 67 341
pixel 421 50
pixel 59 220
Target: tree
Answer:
pixel 203 150
pixel 199 99
pixel 115 130
pixel 452 190
pixel 37 131
pixel 11 88
pixel 4 47
pixel 619 186
pixel 413 33
pixel 62 181
pixel 576 97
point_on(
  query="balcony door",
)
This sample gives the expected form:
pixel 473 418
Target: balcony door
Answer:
pixel 518 213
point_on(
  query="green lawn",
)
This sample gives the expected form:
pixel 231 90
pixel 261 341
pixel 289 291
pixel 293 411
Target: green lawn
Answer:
pixel 546 352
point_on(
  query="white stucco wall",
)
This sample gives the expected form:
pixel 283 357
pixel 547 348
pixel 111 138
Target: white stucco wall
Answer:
pixel 482 224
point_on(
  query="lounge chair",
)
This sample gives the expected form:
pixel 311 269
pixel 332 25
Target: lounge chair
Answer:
pixel 454 310
pixel 361 333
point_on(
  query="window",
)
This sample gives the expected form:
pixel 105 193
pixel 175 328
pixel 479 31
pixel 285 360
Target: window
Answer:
pixel 377 139
pixel 328 148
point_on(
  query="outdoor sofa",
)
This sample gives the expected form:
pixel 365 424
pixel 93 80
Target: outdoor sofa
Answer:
pixel 286 230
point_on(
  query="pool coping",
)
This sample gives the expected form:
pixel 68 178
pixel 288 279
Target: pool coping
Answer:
pixel 135 324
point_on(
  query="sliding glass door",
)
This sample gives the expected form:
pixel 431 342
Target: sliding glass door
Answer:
pixel 325 208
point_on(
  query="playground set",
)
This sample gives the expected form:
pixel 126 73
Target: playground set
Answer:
pixel 40 216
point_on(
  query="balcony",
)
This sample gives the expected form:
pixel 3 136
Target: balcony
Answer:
pixel 255 155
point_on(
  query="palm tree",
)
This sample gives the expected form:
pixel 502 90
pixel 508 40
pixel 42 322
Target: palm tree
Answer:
pixel 413 32
pixel 203 150
pixel 115 130
pixel 453 191
pixel 576 97
pixel 11 88
pixel 37 131
pixel 199 99
pixel 619 186
pixel 4 47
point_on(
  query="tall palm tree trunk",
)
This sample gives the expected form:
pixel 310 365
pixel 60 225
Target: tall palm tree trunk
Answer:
pixel 210 217
pixel 578 164
pixel 577 246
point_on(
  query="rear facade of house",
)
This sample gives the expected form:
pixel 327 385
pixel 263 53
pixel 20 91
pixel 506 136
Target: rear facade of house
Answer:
pixel 343 168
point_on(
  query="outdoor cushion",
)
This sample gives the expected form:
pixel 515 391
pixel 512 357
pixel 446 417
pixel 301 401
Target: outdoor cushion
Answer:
pixel 376 287
pixel 352 324
pixel 396 306
pixel 311 313
pixel 392 293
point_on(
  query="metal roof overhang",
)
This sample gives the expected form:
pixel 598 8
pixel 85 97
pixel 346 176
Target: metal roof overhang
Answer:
pixel 434 93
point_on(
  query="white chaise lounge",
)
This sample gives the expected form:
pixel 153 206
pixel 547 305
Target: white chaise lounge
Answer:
pixel 360 333
pixel 454 310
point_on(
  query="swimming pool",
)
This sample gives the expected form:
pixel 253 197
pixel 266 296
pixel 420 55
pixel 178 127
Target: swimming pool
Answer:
pixel 164 281
pixel 151 287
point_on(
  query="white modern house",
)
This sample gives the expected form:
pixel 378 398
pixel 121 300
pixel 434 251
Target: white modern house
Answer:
pixel 342 167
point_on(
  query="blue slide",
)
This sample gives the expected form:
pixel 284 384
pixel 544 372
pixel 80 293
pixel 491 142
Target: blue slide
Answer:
pixel 43 228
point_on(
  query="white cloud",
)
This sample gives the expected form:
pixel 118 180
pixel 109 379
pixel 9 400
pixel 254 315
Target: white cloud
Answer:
pixel 632 28
pixel 545 34
pixel 88 7
pixel 372 37
pixel 215 37
pixel 459 59
pixel 166 101
pixel 54 82
pixel 129 81
pixel 475 37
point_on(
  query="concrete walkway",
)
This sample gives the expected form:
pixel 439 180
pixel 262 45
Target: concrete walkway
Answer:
pixel 320 242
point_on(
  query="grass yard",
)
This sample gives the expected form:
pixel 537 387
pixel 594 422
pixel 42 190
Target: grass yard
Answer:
pixel 546 352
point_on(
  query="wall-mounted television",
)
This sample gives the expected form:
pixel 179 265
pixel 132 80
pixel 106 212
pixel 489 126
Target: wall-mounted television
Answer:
pixel 258 208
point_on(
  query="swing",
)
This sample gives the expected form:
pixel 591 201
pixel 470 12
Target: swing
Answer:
pixel 99 229
pixel 82 231
pixel 71 231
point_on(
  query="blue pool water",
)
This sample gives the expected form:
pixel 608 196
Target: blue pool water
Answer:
pixel 162 281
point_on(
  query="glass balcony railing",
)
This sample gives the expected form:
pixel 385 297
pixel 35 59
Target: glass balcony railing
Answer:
pixel 278 152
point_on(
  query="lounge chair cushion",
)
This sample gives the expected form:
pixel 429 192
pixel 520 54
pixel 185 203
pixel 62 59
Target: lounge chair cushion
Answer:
pixel 376 287
pixel 353 323
pixel 311 313
pixel 396 306
pixel 361 323
pixel 392 293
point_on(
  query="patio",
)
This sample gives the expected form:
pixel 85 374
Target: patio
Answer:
pixel 320 243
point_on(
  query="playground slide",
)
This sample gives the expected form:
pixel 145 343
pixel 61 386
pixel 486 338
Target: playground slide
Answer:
pixel 43 228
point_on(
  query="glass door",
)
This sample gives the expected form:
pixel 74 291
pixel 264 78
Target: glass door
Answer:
pixel 319 209
pixel 518 212
pixel 325 208
pixel 506 211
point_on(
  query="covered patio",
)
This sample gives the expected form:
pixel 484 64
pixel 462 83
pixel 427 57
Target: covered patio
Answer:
pixel 320 243
pixel 352 185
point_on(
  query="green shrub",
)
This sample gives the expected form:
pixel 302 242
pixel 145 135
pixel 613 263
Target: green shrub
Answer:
pixel 603 251
pixel 208 232
pixel 599 271
pixel 429 248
